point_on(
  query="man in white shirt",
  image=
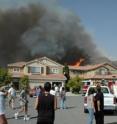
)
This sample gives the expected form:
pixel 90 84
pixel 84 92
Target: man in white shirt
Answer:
pixel 52 91
pixel 57 90
pixel 12 96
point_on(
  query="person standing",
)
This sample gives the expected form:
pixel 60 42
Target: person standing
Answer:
pixel 38 91
pixel 62 98
pixel 45 105
pixel 60 89
pixel 56 90
pixel 12 96
pixel 90 106
pixel 3 119
pixel 99 106
pixel 23 104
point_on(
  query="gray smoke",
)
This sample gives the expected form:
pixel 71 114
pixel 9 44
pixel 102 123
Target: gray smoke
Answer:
pixel 40 30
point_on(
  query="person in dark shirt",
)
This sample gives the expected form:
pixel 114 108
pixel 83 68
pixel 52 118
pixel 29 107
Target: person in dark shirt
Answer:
pixel 99 106
pixel 45 105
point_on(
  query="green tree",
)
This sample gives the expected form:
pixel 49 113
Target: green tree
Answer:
pixel 24 82
pixel 8 79
pixel 75 84
pixel 66 74
pixel 5 77
pixel 66 70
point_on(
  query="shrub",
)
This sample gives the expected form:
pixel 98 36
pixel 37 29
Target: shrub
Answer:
pixel 75 84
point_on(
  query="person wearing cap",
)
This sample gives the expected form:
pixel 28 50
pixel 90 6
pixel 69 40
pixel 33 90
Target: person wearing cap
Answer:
pixel 3 94
pixel 46 105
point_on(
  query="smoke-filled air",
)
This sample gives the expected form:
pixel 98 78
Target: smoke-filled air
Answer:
pixel 37 30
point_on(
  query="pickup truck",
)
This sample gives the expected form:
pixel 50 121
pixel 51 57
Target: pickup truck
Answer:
pixel 110 103
pixel 114 91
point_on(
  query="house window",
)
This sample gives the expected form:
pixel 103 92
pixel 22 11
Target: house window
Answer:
pixel 16 69
pixel 54 70
pixel 35 70
pixel 103 71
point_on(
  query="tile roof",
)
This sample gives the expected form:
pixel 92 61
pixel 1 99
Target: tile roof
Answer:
pixel 87 76
pixel 49 77
pixel 37 76
pixel 17 64
pixel 89 67
pixel 17 74
pixel 44 58
pixel 21 64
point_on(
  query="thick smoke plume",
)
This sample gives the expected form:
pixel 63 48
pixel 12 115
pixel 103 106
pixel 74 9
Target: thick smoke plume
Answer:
pixel 38 30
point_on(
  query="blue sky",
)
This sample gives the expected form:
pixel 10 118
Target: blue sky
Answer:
pixel 99 18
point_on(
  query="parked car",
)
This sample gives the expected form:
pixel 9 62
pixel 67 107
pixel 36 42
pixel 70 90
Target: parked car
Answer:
pixel 6 88
pixel 114 91
pixel 110 103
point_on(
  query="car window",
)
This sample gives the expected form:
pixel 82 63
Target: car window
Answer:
pixel 88 83
pixel 92 88
pixel 103 89
pixel 6 88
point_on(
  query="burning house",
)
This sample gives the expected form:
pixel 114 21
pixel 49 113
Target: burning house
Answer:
pixel 35 30
pixel 40 29
pixel 95 72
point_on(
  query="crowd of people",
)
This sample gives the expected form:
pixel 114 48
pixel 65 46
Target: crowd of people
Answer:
pixel 46 101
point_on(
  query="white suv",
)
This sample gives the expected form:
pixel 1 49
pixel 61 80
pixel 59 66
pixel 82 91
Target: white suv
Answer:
pixel 109 99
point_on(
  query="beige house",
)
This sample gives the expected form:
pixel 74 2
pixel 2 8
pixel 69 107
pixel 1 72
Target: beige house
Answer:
pixel 39 71
pixel 98 72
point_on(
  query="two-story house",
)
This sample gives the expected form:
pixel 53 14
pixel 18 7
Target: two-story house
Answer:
pixel 39 71
pixel 97 72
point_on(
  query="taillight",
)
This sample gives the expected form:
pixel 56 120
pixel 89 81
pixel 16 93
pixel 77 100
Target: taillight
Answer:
pixel 85 99
pixel 114 100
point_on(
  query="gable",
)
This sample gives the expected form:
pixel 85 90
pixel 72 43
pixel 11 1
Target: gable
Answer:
pixel 44 61
pixel 48 62
pixel 108 67
pixel 105 69
pixel 35 64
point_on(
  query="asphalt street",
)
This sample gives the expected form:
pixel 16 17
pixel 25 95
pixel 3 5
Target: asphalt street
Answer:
pixel 72 115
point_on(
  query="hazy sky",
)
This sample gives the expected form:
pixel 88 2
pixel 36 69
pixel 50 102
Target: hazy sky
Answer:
pixel 99 17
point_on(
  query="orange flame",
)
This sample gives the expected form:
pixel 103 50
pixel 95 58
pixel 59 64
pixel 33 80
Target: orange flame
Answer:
pixel 78 63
